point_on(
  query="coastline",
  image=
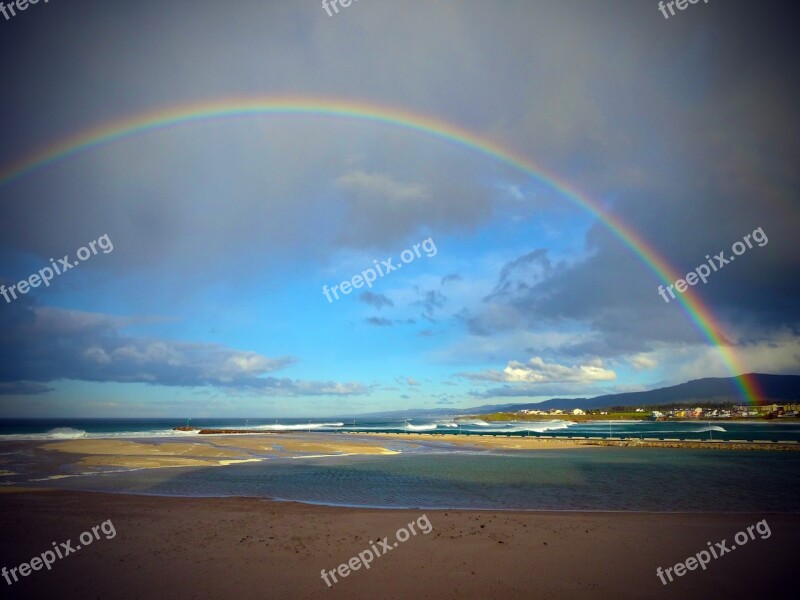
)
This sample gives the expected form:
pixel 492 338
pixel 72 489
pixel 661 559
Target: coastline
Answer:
pixel 508 442
pixel 225 449
pixel 226 547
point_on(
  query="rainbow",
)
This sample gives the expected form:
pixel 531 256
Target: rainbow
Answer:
pixel 187 114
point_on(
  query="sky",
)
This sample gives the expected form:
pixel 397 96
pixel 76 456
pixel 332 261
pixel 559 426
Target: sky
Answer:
pixel 214 239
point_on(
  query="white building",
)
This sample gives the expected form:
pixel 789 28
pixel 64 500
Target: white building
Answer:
pixel 578 411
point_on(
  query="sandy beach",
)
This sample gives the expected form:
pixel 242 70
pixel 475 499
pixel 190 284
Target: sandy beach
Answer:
pixel 168 547
pixel 245 548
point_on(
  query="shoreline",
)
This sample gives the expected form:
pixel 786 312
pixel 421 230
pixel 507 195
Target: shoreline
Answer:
pixel 560 442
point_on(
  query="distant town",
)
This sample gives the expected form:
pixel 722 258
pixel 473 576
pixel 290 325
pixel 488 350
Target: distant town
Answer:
pixel 658 413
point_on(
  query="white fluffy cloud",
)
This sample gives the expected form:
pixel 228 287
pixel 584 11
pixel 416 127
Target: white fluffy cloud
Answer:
pixel 536 370
pixel 642 362
pixel 43 345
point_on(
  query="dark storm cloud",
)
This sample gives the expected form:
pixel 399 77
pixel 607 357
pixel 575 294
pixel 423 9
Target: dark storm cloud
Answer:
pixel 616 297
pixel 720 165
pixel 23 388
pixel 42 345
pixel 686 129
pixel 612 96
pixel 599 293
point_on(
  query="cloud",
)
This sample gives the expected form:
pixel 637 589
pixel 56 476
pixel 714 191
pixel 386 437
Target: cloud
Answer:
pixel 453 277
pixel 430 300
pixel 536 370
pixel 42 345
pixel 522 274
pixel 535 391
pixel 23 388
pixel 376 300
pixel 379 186
pixel 233 201
pixel 411 381
pixel 778 353
pixel 379 322
pixel 642 362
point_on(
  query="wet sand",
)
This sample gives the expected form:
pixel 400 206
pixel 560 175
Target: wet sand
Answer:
pixel 176 548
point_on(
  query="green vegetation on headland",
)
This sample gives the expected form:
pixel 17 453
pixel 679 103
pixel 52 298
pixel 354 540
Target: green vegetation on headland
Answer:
pixel 673 412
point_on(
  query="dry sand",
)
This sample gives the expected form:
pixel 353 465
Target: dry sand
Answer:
pixel 293 444
pixel 174 548
pixel 208 451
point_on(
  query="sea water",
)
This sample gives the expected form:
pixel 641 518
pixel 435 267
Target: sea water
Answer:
pixel 592 479
pixel 720 429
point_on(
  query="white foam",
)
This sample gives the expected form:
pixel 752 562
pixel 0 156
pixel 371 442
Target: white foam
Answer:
pixel 68 433
pixel 533 426
pixel 411 427
pixel 707 429
pixel 296 427
pixel 65 433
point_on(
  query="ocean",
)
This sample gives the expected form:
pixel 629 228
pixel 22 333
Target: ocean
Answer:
pixel 777 430
pixel 589 479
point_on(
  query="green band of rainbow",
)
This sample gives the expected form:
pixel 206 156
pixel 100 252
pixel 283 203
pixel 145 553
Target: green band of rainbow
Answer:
pixel 174 116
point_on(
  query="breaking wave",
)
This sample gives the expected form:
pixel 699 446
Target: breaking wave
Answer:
pixel 65 433
pixel 297 427
pixel 411 427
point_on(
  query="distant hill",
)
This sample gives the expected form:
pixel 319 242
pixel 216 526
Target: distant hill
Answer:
pixel 776 389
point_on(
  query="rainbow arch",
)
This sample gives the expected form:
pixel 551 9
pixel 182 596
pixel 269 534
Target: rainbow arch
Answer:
pixel 186 114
